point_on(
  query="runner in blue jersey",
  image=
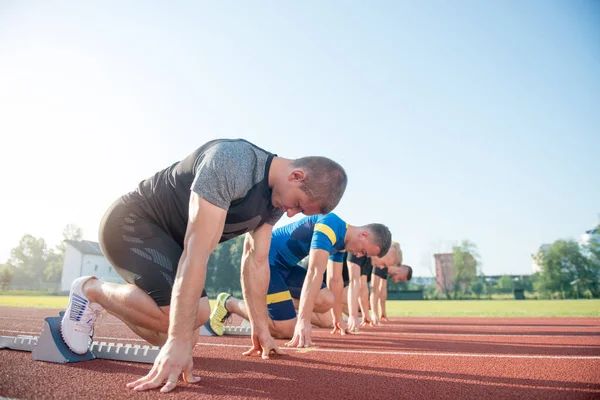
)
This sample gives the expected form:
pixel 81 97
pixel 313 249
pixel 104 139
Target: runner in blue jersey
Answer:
pixel 324 239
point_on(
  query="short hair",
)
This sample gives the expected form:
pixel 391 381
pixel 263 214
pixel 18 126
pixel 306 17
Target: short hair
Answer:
pixel 409 275
pixel 325 181
pixel 382 237
pixel 399 255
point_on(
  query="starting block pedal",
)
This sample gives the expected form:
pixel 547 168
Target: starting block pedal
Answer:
pixel 51 347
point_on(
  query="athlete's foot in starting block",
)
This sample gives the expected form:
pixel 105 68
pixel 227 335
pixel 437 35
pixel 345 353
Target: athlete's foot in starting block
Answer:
pixel 77 325
pixel 219 315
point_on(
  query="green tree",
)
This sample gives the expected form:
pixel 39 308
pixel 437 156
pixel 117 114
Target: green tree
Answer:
pixel 465 259
pixel 30 259
pixel 53 271
pixel 505 284
pixel 224 267
pixel 478 287
pixel 563 263
pixel 7 272
pixel 70 232
pixel 592 274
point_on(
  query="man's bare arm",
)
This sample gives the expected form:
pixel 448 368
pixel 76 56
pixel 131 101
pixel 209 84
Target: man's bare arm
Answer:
pixel 375 298
pixel 353 294
pixel 336 285
pixel 256 275
pixel 204 230
pixel 317 263
pixel 363 298
pixel 353 288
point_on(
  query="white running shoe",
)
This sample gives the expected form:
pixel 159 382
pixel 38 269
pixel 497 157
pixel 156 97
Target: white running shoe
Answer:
pixel 77 325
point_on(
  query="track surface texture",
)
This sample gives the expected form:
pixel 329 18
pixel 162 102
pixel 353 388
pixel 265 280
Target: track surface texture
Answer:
pixel 417 358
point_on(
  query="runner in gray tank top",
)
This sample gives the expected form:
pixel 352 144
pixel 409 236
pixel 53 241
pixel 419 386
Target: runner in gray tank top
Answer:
pixel 160 235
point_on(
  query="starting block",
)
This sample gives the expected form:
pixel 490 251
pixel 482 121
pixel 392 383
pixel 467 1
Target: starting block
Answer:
pixel 242 330
pixel 50 346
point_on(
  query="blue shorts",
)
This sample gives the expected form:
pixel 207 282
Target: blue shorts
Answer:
pixel 285 284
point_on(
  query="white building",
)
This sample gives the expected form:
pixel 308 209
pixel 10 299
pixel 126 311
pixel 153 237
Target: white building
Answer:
pixel 82 258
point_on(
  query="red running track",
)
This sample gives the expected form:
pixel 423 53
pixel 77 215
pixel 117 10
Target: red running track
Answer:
pixel 417 358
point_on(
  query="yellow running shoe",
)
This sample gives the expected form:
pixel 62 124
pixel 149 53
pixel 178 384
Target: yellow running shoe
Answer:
pixel 219 315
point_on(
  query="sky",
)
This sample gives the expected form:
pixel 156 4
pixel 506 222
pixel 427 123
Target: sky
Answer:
pixel 461 120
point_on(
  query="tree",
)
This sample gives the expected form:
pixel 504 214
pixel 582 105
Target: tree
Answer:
pixel 70 232
pixel 505 284
pixel 565 262
pixel 53 271
pixel 224 267
pixel 7 272
pixel 30 259
pixel 465 262
pixel 477 287
pixel 592 274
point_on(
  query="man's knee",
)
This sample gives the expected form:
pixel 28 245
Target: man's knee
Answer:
pixel 203 312
pixel 324 301
pixel 283 329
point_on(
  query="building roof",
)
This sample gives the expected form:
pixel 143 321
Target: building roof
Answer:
pixel 86 246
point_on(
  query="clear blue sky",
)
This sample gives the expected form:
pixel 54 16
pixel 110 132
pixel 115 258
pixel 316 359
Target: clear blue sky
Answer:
pixel 455 120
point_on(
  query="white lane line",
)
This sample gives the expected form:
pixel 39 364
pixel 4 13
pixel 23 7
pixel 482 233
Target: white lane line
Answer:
pixel 387 334
pixel 417 334
pixel 416 353
pixel 400 353
pixel 397 325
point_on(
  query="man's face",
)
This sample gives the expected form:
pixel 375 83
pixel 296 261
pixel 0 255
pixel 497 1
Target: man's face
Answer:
pixel 291 199
pixel 361 245
pixel 390 259
pixel 398 274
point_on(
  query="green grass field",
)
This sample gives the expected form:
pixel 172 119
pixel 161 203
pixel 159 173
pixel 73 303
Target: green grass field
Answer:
pixel 494 308
pixel 400 308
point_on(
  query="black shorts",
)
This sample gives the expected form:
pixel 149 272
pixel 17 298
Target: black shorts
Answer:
pixel 139 250
pixel 381 272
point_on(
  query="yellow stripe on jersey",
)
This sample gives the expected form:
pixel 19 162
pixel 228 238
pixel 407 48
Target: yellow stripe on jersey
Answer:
pixel 279 297
pixel 325 229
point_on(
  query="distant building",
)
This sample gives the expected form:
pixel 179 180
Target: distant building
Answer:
pixel 422 280
pixel 445 271
pixel 82 258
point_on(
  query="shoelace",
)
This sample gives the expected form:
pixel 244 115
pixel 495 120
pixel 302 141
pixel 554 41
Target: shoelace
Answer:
pixel 88 320
pixel 222 314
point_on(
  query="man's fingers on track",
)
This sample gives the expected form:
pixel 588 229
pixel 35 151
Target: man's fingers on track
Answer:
pixel 189 377
pixel 170 385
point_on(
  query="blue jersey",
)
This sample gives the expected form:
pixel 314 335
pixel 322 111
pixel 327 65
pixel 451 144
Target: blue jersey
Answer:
pixel 292 242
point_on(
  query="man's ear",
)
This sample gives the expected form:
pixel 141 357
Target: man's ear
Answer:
pixel 297 175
